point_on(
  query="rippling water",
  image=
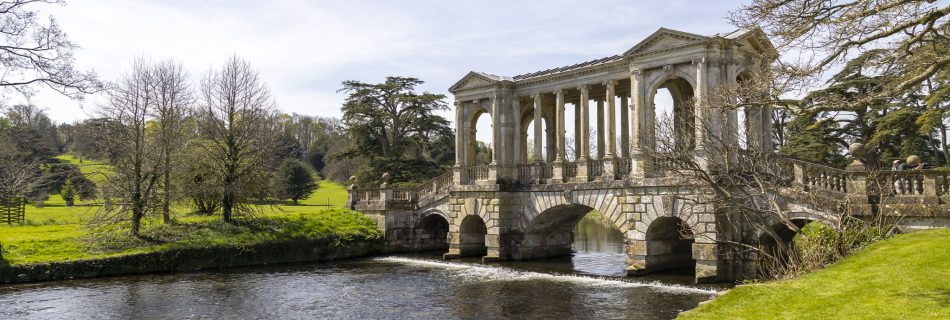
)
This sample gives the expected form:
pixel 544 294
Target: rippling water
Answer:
pixel 397 287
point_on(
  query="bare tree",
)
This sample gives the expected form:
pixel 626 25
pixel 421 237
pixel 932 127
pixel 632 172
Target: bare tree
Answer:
pixel 819 34
pixel 237 118
pixel 33 52
pixel 137 164
pixel 171 105
pixel 753 189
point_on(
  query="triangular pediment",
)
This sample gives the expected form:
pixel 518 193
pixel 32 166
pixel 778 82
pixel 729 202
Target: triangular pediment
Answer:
pixel 472 79
pixel 664 38
pixel 755 40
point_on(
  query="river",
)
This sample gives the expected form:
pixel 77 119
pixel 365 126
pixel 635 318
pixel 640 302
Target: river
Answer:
pixel 584 286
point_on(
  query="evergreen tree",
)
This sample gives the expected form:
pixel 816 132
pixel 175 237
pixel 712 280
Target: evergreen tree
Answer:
pixel 294 180
pixel 68 193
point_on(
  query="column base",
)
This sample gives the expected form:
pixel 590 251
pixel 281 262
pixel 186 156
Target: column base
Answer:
pixel 489 259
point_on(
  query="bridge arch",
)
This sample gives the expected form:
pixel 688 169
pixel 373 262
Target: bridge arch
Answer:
pixel 472 233
pixel 669 243
pixel 431 231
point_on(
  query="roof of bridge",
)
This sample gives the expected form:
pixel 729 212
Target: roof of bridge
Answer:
pixel 651 43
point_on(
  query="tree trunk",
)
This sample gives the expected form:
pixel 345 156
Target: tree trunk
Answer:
pixel 167 183
pixel 943 143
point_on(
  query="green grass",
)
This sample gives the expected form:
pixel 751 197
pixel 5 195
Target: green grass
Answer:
pixel 905 277
pixel 93 170
pixel 55 232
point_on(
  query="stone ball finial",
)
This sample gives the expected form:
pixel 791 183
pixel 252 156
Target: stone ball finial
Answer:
pixel 857 150
pixel 913 160
pixel 385 177
pixel 352 183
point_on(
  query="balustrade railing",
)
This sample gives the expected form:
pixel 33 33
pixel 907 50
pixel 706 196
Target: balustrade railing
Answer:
pixel 570 170
pixel 434 185
pixel 403 195
pixel 595 168
pixel 535 172
pixel 526 172
pixel 476 173
pixel 624 166
pixel 817 177
pixel 809 176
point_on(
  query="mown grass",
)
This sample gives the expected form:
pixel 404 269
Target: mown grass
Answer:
pixel 905 277
pixel 55 232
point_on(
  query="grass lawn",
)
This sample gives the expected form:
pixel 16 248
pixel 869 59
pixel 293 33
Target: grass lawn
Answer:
pixel 905 277
pixel 55 232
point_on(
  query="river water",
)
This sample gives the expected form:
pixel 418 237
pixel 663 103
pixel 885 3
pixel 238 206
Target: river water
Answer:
pixel 584 286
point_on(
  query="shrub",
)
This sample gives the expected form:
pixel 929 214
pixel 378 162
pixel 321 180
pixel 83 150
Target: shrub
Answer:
pixel 68 193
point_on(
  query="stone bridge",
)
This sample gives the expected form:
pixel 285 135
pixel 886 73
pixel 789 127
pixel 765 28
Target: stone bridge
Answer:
pixel 525 206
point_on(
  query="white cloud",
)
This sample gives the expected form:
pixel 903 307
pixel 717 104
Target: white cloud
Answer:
pixel 304 49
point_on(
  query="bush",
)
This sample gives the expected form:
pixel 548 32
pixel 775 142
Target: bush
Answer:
pixel 68 193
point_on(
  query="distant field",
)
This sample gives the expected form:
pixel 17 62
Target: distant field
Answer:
pixel 55 232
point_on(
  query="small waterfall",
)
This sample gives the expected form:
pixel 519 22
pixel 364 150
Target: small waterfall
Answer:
pixel 474 272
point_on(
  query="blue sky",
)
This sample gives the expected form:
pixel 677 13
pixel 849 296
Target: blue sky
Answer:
pixel 304 49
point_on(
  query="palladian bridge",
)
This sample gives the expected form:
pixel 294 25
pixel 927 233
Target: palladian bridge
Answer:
pixel 526 202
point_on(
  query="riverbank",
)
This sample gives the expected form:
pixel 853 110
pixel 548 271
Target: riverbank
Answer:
pixel 191 243
pixel 193 259
pixel 904 277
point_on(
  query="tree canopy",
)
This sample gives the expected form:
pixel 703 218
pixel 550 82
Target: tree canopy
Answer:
pixel 390 119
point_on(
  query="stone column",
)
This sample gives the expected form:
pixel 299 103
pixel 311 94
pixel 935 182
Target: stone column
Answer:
pixel 557 172
pixel 600 129
pixel 516 132
pixel 496 139
pixel 459 135
pixel 538 157
pixel 624 128
pixel 639 125
pixel 699 112
pixel 584 135
pixel 611 133
pixel 585 123
pixel 577 130
pixel 559 109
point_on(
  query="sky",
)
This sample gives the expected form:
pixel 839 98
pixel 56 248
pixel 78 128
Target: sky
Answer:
pixel 305 49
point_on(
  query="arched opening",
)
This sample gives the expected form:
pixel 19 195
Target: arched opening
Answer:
pixel 481 139
pixel 593 243
pixel 472 237
pixel 742 113
pixel 550 233
pixel 669 246
pixel 675 123
pixel 432 233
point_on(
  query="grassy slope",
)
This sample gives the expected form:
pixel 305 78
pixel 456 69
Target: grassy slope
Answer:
pixel 906 277
pixel 56 232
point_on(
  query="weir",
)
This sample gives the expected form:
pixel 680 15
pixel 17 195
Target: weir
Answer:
pixel 525 203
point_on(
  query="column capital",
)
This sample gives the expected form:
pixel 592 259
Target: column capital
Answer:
pixel 457 103
pixel 536 95
pixel 582 88
pixel 698 60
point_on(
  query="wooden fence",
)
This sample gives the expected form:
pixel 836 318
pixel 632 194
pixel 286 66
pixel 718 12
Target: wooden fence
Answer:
pixel 13 210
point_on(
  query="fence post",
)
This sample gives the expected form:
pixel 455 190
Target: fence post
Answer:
pixel 857 173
